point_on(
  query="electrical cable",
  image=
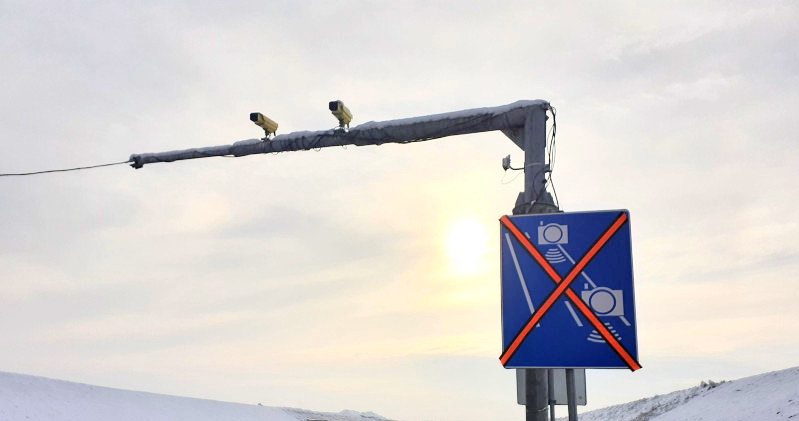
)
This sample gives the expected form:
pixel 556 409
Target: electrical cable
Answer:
pixel 502 181
pixel 552 154
pixel 553 131
pixel 64 169
pixel 554 190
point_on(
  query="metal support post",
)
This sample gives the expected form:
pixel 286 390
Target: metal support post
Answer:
pixel 536 394
pixel 551 386
pixel 571 395
pixel 535 199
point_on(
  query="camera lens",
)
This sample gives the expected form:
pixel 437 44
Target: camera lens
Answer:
pixel 602 301
pixel 553 233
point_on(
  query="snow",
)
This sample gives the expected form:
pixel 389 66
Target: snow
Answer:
pixel 345 415
pixel 29 398
pixel 771 396
pixel 474 112
pixel 246 142
pixel 766 397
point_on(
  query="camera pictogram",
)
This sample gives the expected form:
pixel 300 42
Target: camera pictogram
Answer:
pixel 604 301
pixel 553 234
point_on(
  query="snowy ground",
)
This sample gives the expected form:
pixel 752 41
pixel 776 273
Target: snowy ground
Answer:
pixel 766 397
pixel 29 398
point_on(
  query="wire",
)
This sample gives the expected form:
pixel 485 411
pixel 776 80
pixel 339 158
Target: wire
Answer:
pixel 552 154
pixel 64 169
pixel 554 191
pixel 502 181
pixel 552 132
pixel 532 164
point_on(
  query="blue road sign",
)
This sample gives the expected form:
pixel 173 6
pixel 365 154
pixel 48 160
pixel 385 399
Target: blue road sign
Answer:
pixel 567 291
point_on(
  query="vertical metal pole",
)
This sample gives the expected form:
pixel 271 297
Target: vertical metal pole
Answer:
pixel 535 199
pixel 571 395
pixel 536 394
pixel 551 386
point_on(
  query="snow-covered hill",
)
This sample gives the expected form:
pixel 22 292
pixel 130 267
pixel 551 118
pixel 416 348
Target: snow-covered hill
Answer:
pixel 29 398
pixel 766 397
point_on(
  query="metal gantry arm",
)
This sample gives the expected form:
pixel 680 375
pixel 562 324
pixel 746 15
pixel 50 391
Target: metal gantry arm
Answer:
pixel 511 119
pixel 524 122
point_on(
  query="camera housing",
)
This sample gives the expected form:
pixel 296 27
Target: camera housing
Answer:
pixel 266 123
pixel 341 112
pixel 552 234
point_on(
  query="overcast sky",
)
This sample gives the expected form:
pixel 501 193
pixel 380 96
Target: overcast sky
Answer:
pixel 331 280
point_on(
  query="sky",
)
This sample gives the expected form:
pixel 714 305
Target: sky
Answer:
pixel 367 278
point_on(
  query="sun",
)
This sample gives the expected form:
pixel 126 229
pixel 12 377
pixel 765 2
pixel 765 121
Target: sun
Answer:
pixel 467 246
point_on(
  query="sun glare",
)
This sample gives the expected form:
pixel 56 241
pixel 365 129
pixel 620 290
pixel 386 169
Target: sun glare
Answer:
pixel 467 246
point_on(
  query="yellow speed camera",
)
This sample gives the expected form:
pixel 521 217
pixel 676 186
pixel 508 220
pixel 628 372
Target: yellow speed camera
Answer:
pixel 266 123
pixel 341 112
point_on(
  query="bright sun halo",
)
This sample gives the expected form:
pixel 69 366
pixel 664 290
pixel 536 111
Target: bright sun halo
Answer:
pixel 467 245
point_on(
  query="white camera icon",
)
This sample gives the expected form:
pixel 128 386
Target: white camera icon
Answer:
pixel 553 234
pixel 605 301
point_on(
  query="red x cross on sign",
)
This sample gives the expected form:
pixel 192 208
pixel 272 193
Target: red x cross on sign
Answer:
pixel 563 288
